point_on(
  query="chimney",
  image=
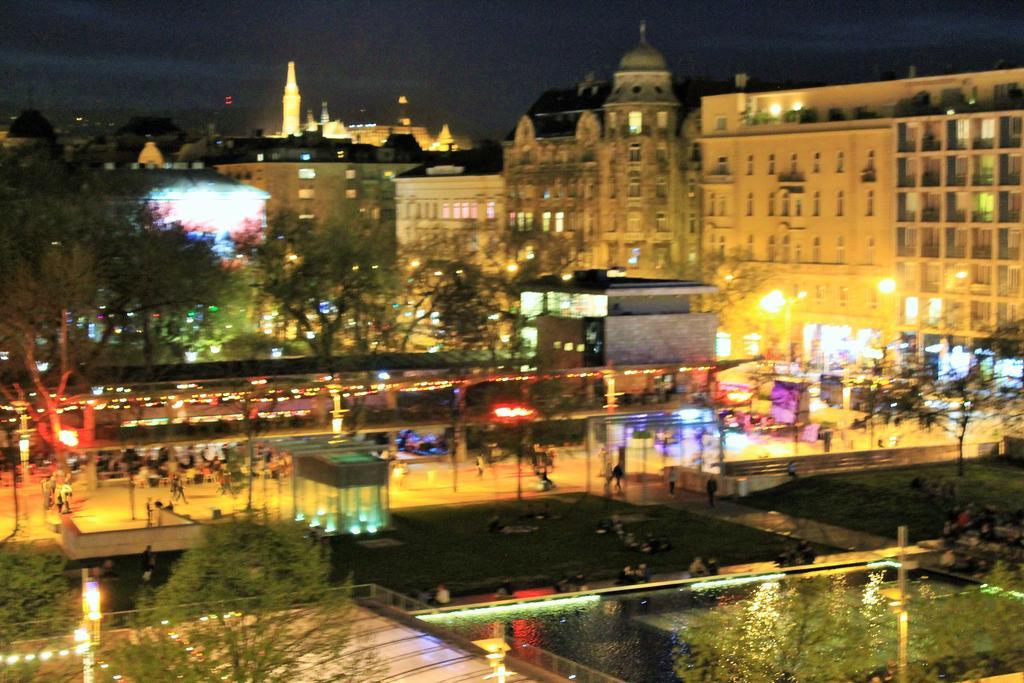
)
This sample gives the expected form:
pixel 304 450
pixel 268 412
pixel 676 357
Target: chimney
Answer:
pixel 912 72
pixel 741 81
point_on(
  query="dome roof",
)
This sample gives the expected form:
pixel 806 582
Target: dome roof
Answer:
pixel 31 124
pixel 643 57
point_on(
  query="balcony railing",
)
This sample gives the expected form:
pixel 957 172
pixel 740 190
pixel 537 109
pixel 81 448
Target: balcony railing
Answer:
pixel 930 250
pixel 909 145
pixel 957 180
pixel 1009 141
pixel 907 181
pixel 981 216
pixel 791 177
pixel 956 215
pixel 1009 179
pixel 1009 253
pixel 984 143
pixel 930 179
pixel 1009 215
pixel 930 144
pixel 930 214
pixel 982 251
pixel 982 179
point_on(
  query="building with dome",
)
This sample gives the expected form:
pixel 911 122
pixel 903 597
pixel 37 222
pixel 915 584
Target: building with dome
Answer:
pixel 613 167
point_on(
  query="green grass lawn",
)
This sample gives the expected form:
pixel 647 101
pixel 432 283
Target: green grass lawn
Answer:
pixel 879 501
pixel 452 545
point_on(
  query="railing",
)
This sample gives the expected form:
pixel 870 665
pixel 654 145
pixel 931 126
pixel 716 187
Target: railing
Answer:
pixel 930 179
pixel 561 666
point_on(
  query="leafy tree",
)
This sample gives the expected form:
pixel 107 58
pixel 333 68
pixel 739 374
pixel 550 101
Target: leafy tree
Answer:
pixel 249 603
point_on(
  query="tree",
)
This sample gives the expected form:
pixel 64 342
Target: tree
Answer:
pixel 249 603
pixel 332 280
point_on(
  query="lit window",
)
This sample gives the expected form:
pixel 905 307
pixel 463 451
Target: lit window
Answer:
pixel 636 122
pixel 307 173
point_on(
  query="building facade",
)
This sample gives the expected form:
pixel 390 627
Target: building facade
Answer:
pixel 885 211
pixel 605 165
pixel 456 200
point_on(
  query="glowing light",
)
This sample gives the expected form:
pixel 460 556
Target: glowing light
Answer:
pixel 514 607
pixel 68 437
pixel 513 412
pixel 887 286
pixel 738 581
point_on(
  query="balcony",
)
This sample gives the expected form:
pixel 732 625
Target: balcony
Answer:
pixel 956 180
pixel 1010 179
pixel 956 215
pixel 930 214
pixel 1009 215
pixel 982 179
pixel 1009 141
pixel 984 143
pixel 907 181
pixel 981 251
pixel 791 177
pixel 930 250
pixel 868 176
pixel 930 179
pixel 981 216
pixel 1009 253
pixel 930 144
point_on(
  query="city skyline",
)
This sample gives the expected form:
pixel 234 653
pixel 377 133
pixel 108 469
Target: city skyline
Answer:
pixel 361 56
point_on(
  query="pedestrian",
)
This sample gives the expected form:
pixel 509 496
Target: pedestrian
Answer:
pixel 480 466
pixel 148 563
pixel 712 487
pixel 64 499
pixel 617 476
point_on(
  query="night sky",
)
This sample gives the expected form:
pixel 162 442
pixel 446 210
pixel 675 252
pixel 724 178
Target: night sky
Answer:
pixel 477 64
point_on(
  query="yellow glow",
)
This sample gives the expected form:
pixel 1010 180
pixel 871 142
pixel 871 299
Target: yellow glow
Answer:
pixel 887 286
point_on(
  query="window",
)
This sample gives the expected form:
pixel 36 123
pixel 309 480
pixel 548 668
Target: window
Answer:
pixel 869 208
pixel 350 173
pixel 634 152
pixel 662 120
pixel 840 250
pixel 816 250
pixel 545 221
pixel 307 173
pixel 839 203
pixel 636 122
pixel 771 164
pixel 560 221
pixel 306 193
pixel 660 222
pixel 750 164
pixel 816 204
pixel 750 203
pixel 840 162
pixel 816 166
pixel 634 186
pixel 350 193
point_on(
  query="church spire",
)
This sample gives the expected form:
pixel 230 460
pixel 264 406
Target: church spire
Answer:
pixel 291 104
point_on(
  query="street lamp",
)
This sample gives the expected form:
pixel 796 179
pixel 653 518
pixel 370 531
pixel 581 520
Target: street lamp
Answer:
pixel 775 301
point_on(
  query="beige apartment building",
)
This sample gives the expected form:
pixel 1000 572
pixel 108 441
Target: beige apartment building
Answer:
pixel 883 212
pixel 605 164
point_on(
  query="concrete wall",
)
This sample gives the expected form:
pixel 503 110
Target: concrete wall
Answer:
pixel 650 339
pixel 173 532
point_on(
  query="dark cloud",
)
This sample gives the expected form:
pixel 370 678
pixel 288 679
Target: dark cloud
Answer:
pixel 474 63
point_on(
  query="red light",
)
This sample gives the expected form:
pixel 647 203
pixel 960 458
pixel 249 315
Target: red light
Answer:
pixel 513 412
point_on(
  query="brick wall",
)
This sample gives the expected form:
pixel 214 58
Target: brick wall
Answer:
pixel 669 338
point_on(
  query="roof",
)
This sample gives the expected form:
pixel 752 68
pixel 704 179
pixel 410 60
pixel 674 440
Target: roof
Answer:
pixel 480 161
pixel 600 281
pixel 643 57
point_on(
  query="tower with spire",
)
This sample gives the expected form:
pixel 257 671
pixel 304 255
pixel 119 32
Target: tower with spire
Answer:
pixel 291 104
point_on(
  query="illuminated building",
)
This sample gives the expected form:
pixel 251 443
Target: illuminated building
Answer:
pixel 317 181
pixel 607 165
pixel 291 105
pixel 455 199
pixel 843 189
pixel 603 318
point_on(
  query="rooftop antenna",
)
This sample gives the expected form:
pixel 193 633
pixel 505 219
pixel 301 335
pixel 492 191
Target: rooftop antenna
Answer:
pixel 643 30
